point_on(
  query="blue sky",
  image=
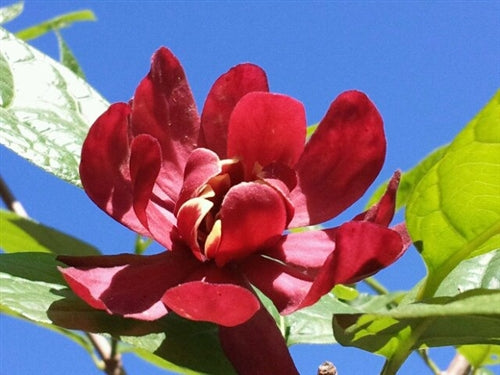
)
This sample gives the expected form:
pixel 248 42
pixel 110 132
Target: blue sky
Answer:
pixel 428 67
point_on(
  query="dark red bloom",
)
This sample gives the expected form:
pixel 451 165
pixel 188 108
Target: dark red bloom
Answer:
pixel 222 191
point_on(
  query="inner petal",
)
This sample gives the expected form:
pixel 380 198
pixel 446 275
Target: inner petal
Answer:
pixel 253 217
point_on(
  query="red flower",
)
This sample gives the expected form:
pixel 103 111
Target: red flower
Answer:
pixel 220 192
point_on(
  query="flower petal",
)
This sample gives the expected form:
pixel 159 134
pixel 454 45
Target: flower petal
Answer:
pixel 361 249
pixel 285 285
pixel 189 219
pixel 253 216
pixel 127 285
pixel 265 128
pixel 217 298
pixel 223 96
pixel 306 251
pixel 341 160
pixel 145 161
pixel 202 165
pixel 163 107
pixel 104 166
pixel 383 211
pixel 257 347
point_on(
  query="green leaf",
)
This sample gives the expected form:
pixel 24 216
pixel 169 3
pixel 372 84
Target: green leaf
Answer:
pixel 481 272
pixel 24 235
pixel 6 83
pixel 10 12
pixel 310 130
pixel 185 346
pixel 67 58
pixel 345 292
pixel 481 355
pixel 51 111
pixel 454 212
pixel 32 288
pixel 56 23
pixel 468 318
pixel 409 179
pixel 313 324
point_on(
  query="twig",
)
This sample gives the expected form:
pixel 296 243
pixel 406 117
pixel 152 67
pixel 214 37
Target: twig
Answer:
pixel 109 355
pixel 10 201
pixel 376 286
pixel 424 354
pixel 458 366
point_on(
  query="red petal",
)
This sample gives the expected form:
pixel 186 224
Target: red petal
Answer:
pixel 253 216
pixel 163 107
pixel 265 128
pixel 286 286
pixel 257 347
pixel 201 166
pixel 340 161
pixel 306 251
pixel 218 298
pixel 128 285
pixel 383 211
pixel 362 249
pixel 145 161
pixel 104 167
pixel 189 219
pixel 223 96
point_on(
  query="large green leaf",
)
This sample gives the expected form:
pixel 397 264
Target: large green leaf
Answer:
pixel 32 288
pixel 10 12
pixel 469 318
pixel 56 23
pixel 24 235
pixel 454 211
pixel 49 114
pixel 409 179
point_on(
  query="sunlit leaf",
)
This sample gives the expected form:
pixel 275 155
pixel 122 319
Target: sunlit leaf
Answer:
pixel 409 179
pixel 56 23
pixel 481 272
pixel 310 130
pixel 6 83
pixel 454 211
pixel 24 235
pixel 51 111
pixel 66 56
pixel 32 288
pixel 10 12
pixel 313 325
pixel 481 355
pixel 468 318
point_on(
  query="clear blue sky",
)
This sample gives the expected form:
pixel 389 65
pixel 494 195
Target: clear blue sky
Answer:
pixel 428 66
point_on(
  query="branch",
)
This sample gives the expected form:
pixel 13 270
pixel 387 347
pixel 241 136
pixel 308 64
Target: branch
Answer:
pixel 458 366
pixel 109 354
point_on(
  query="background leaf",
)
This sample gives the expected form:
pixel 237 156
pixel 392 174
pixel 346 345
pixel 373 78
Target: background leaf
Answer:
pixel 56 23
pixel 66 56
pixel 24 235
pixel 51 112
pixel 468 318
pixel 10 12
pixel 481 355
pixel 454 212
